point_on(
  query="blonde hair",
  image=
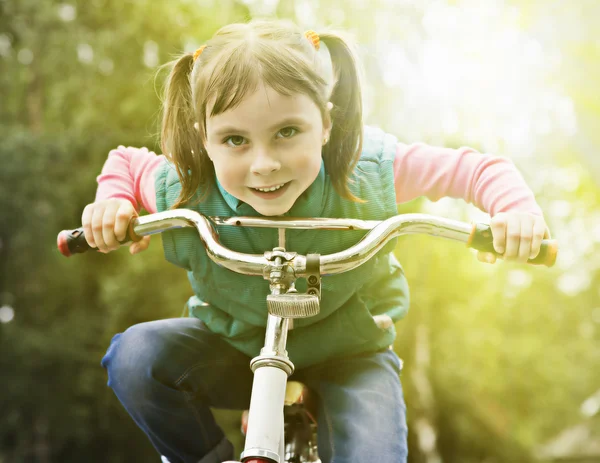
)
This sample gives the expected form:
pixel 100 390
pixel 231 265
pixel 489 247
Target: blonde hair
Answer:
pixel 235 61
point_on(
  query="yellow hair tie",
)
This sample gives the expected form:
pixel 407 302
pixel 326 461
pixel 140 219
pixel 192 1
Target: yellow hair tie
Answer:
pixel 198 52
pixel 313 37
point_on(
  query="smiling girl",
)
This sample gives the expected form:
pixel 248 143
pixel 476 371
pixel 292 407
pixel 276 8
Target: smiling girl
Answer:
pixel 267 120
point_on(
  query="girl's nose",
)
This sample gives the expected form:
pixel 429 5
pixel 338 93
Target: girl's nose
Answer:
pixel 265 163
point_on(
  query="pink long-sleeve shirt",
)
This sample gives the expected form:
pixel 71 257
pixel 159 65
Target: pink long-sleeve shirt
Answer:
pixel 492 183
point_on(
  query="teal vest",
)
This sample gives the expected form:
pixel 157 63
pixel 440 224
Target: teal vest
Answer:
pixel 234 306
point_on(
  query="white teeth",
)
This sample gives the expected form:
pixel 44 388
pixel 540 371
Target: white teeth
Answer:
pixel 270 189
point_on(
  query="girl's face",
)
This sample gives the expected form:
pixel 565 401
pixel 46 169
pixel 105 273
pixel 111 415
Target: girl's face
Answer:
pixel 267 150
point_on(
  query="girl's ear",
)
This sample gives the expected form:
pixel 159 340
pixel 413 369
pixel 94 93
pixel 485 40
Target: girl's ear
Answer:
pixel 197 126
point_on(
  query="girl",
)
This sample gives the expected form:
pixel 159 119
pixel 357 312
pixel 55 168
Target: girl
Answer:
pixel 266 120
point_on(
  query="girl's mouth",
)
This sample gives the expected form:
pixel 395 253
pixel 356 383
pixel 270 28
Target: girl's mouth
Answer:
pixel 271 192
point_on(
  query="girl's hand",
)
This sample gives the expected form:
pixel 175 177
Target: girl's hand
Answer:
pixel 517 236
pixel 105 225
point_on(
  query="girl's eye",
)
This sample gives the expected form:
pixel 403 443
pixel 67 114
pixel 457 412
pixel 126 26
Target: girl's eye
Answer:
pixel 287 132
pixel 235 141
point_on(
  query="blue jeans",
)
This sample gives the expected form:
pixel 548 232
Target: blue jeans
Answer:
pixel 167 373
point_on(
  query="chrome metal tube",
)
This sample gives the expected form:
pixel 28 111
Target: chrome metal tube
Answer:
pixel 387 230
pixel 249 264
pixel 253 264
pixel 297 223
pixel 276 336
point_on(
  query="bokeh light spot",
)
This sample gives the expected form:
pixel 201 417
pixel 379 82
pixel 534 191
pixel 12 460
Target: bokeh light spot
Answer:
pixel 6 314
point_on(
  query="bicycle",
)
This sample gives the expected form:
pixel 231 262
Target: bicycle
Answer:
pixel 294 436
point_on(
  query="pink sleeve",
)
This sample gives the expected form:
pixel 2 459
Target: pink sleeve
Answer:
pixel 128 173
pixel 492 183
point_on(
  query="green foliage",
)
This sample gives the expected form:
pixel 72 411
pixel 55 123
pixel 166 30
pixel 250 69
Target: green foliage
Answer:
pixel 66 311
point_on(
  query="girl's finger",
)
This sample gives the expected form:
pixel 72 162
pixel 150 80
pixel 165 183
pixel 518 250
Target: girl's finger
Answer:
pixel 97 215
pixel 526 238
pixel 144 243
pixel 124 214
pixel 108 225
pixel 513 237
pixel 86 223
pixel 539 231
pixel 498 227
pixel 140 246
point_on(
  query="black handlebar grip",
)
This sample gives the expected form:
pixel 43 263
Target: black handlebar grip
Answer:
pixel 481 239
pixel 71 242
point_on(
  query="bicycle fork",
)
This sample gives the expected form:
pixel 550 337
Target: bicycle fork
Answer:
pixel 264 437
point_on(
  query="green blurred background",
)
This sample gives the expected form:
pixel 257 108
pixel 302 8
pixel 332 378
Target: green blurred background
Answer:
pixel 501 361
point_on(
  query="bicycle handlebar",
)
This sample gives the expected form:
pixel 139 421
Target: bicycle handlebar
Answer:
pixel 477 236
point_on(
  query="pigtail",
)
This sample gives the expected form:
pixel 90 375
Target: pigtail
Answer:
pixel 343 150
pixel 180 141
